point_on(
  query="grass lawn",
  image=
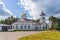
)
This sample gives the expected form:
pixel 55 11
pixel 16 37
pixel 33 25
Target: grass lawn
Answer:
pixel 44 35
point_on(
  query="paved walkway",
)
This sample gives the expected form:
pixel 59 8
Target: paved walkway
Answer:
pixel 14 35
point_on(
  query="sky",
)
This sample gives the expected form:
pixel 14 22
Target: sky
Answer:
pixel 33 8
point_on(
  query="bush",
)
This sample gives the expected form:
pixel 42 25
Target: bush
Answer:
pixel 58 26
pixel 16 30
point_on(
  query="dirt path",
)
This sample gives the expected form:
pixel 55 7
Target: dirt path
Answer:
pixel 14 35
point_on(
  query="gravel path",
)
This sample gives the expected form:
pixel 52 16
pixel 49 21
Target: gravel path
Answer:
pixel 14 35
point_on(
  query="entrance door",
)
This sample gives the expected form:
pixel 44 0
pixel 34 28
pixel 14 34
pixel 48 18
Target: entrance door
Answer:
pixel 4 28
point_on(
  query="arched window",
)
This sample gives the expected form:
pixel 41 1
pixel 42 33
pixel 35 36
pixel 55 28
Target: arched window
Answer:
pixel 43 17
pixel 16 26
pixel 44 27
pixel 13 26
pixel 28 27
pixel 21 27
pixel 40 27
pixel 25 27
pixel 35 25
pixel 10 27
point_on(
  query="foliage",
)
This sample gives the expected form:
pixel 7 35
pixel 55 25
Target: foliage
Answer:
pixel 53 19
pixel 16 30
pixel 1 21
pixel 44 35
pixel 37 20
pixel 9 20
pixel 58 26
pixel 55 22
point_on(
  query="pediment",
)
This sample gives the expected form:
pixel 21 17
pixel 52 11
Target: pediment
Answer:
pixel 22 20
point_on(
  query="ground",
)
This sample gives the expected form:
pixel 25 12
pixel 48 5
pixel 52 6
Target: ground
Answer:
pixel 44 35
pixel 14 35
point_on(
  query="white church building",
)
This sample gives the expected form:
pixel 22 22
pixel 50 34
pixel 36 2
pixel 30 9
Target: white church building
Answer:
pixel 27 24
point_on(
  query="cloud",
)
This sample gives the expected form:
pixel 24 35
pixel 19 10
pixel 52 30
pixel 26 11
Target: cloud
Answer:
pixel 57 15
pixel 3 17
pixel 4 12
pixel 31 7
pixel 15 16
pixel 34 7
pixel 3 9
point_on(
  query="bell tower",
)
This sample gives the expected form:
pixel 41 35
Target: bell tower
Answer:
pixel 42 19
pixel 24 16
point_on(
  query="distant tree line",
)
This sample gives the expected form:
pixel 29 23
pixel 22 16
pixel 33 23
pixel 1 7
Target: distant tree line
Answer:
pixel 55 22
pixel 9 20
pixel 12 19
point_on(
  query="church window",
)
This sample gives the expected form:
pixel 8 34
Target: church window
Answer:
pixel 25 27
pixel 21 26
pixel 16 26
pixel 10 27
pixel 40 27
pixel 13 26
pixel 43 18
pixel 35 25
pixel 28 27
pixel 44 27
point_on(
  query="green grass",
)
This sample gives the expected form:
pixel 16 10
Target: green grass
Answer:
pixel 45 35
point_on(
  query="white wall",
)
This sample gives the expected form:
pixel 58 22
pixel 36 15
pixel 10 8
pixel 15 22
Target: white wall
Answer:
pixel 31 24
pixel 0 28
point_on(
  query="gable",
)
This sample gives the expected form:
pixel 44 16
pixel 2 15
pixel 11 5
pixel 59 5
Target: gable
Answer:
pixel 22 20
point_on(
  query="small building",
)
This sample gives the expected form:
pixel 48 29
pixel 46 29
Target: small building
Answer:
pixel 4 27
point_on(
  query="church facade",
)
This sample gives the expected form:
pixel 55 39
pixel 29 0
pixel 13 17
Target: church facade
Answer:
pixel 27 24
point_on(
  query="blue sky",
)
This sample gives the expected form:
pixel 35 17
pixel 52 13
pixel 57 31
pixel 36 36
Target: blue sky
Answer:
pixel 13 7
pixel 32 8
